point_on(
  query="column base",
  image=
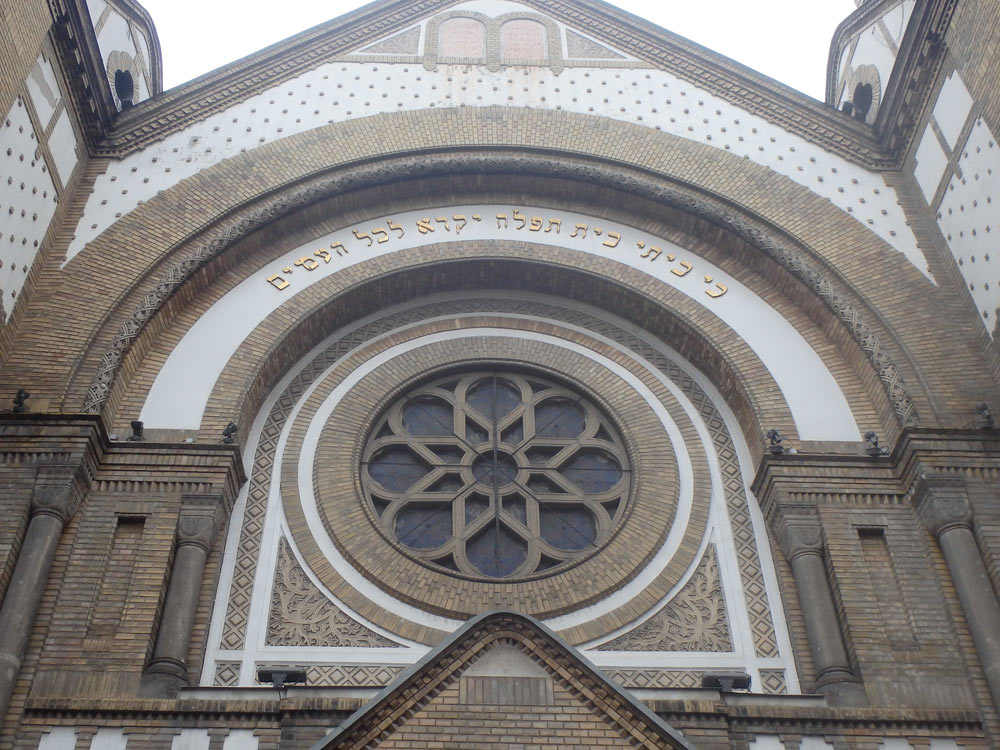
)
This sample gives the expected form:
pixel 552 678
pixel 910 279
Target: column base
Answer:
pixel 841 688
pixel 163 678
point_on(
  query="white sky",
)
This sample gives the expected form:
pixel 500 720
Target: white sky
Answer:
pixel 786 39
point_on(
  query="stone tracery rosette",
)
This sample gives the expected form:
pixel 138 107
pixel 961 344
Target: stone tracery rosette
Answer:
pixel 502 475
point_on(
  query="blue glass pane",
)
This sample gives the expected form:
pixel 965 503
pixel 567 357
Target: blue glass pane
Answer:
pixel 497 551
pixel 475 506
pixel 495 470
pixel 448 454
pixel 397 469
pixel 494 403
pixel 475 434
pixel 427 416
pixel 447 483
pixel 424 528
pixel 542 485
pixel 514 434
pixel 514 504
pixel 559 418
pixel 568 527
pixel 593 471
pixel 540 455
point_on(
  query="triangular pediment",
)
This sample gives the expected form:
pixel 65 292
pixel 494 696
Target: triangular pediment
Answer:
pixel 503 679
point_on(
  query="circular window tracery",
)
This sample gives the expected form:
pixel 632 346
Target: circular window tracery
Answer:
pixel 496 474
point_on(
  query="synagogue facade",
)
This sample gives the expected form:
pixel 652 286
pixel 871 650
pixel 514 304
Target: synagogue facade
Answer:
pixel 494 374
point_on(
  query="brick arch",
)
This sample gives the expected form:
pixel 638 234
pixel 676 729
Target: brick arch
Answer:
pixel 260 227
pixel 198 234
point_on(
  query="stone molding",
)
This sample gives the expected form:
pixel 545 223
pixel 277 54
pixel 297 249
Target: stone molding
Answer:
pixel 779 248
pixel 694 620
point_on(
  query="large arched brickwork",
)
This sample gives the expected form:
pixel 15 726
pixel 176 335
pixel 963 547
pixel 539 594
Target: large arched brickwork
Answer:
pixel 634 285
pixel 770 197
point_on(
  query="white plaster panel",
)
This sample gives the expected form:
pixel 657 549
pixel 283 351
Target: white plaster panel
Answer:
pixel 180 392
pixel 931 163
pixel 767 742
pixel 139 37
pixel 969 215
pixel 814 743
pixel 62 146
pixel 96 8
pixel 240 739
pixel 27 202
pixel 897 19
pixel 109 739
pixel 952 108
pixel 116 35
pixel 43 90
pixel 58 738
pixel 190 739
pixel 873 49
pixel 941 743
pixel 342 91
pixel 895 743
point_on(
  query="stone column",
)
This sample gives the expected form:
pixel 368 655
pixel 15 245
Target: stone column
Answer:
pixel 167 671
pixel 801 539
pixel 53 502
pixel 944 507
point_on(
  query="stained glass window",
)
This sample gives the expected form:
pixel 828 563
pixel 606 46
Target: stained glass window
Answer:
pixel 496 474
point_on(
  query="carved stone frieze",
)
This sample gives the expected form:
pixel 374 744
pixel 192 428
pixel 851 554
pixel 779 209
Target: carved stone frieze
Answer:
pixel 302 616
pixel 267 211
pixel 694 620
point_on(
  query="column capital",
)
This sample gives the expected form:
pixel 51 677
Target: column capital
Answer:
pixel 54 494
pixel 942 503
pixel 800 535
pixel 199 520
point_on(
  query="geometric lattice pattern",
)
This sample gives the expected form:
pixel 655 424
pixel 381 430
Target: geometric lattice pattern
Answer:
pixel 656 678
pixel 351 675
pixel 772 682
pixel 227 674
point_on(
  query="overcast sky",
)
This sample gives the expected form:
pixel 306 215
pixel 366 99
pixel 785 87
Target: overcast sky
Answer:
pixel 786 39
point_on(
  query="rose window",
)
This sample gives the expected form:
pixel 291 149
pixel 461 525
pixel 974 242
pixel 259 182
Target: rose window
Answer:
pixel 496 474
